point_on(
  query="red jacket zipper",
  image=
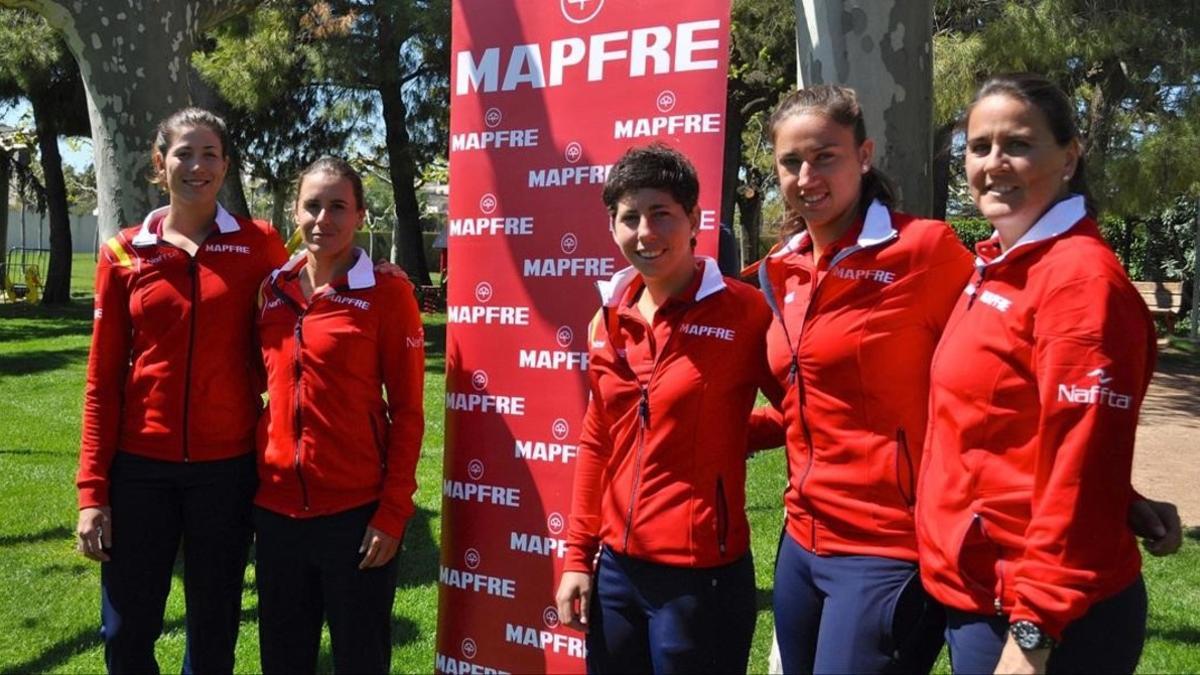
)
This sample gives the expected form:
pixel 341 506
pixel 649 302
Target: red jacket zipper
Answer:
pixel 193 275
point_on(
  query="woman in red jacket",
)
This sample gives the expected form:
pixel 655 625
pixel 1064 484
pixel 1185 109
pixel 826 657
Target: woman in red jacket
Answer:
pixel 658 568
pixel 337 459
pixel 1036 387
pixel 167 454
pixel 860 295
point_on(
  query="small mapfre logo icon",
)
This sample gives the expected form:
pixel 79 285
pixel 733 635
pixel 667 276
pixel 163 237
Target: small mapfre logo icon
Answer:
pixel 493 117
pixel 574 152
pixel 665 102
pixel 1095 391
pixel 475 469
pixel 580 11
pixel 469 649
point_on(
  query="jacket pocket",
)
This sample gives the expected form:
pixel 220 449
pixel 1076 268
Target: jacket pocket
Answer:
pixel 977 557
pixel 722 516
pixel 380 442
pixel 905 472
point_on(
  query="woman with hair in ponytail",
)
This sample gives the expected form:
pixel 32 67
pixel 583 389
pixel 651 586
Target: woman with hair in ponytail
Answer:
pixel 860 295
pixel 172 399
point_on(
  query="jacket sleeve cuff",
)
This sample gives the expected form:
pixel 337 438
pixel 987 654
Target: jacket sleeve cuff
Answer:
pixel 580 558
pixel 93 496
pixel 1050 625
pixel 389 520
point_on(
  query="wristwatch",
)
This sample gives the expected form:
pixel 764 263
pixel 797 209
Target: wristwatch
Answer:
pixel 1029 636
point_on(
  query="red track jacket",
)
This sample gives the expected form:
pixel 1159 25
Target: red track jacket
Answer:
pixel 329 441
pixel 661 470
pixel 861 325
pixel 172 374
pixel 1036 389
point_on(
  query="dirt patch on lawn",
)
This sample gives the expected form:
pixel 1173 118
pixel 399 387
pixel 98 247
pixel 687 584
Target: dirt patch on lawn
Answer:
pixel 1166 465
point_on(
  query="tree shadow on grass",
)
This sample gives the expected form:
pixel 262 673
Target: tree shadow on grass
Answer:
pixel 65 650
pixel 61 532
pixel 420 555
pixel 762 600
pixel 1187 635
pixel 70 319
pixel 41 360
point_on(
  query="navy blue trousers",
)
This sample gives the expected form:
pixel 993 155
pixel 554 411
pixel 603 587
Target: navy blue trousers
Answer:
pixel 307 572
pixel 1107 639
pixel 853 614
pixel 665 619
pixel 157 505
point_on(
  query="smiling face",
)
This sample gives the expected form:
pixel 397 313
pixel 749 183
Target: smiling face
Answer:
pixel 820 168
pixel 1016 169
pixel 193 166
pixel 328 215
pixel 655 235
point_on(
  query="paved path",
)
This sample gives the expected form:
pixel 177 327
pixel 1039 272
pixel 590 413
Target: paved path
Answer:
pixel 1166 465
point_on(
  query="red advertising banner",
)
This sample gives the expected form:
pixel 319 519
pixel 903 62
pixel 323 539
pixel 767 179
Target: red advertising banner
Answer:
pixel 545 96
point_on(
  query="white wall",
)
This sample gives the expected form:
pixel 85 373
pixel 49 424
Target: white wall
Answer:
pixel 83 231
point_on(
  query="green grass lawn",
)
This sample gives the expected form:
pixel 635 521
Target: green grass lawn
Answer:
pixel 49 595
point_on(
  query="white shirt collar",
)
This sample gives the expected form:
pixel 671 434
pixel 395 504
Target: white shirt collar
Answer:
pixel 612 290
pixel 361 274
pixel 877 228
pixel 226 224
pixel 1059 219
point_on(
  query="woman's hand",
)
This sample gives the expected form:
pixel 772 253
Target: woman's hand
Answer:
pixel 573 597
pixel 1013 659
pixel 1158 524
pixel 94 532
pixel 388 269
pixel 378 547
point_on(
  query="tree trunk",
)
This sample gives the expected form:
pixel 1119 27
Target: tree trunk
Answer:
pixel 728 257
pixel 883 49
pixel 750 208
pixel 1195 299
pixel 5 174
pixel 134 60
pixel 941 170
pixel 233 198
pixel 408 246
pixel 57 284
pixel 279 208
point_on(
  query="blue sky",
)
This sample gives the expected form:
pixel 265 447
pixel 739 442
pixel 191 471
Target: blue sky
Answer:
pixel 79 156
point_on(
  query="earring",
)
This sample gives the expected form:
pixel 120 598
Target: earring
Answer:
pixel 1066 177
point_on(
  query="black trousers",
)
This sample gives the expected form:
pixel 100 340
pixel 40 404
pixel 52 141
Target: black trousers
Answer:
pixel 307 572
pixel 155 506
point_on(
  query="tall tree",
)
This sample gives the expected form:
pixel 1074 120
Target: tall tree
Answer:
pixel 264 65
pixel 882 49
pixel 1130 65
pixel 399 49
pixel 393 52
pixel 34 58
pixel 134 60
pixel 762 63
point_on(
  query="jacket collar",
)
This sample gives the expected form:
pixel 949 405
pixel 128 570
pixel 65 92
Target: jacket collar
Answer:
pixel 152 225
pixel 1057 221
pixel 612 290
pixel 361 274
pixel 877 229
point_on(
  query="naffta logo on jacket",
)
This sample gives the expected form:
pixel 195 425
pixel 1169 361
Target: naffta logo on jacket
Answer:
pixel 1096 392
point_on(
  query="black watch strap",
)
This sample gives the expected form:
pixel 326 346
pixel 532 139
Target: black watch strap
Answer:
pixel 1029 636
